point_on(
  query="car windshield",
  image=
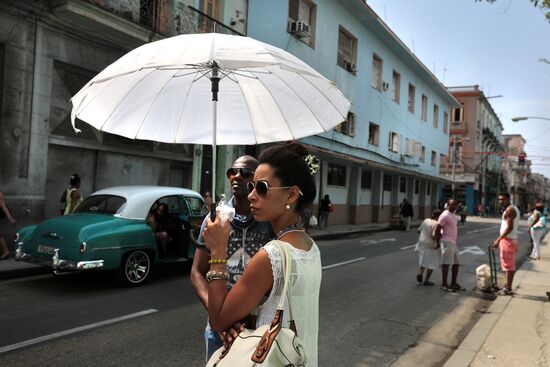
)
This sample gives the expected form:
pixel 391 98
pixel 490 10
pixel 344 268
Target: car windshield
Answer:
pixel 102 204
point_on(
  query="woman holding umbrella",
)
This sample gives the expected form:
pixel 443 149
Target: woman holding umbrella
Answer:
pixel 283 186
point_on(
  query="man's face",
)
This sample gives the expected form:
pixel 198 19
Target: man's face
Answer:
pixel 502 201
pixel 160 211
pixel 239 175
pixel 451 205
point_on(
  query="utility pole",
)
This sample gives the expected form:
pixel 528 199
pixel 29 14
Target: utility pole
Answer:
pixel 453 166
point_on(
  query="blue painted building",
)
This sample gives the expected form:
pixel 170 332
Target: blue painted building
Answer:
pixel 391 145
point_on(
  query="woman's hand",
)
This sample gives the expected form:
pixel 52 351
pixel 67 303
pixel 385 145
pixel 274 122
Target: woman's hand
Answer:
pixel 232 334
pixel 216 235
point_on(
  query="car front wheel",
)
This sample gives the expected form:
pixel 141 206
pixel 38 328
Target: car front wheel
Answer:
pixel 134 268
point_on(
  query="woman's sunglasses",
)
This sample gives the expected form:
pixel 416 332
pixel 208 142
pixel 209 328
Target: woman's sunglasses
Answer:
pixel 262 187
pixel 245 172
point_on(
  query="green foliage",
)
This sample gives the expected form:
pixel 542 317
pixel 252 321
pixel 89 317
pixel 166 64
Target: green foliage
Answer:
pixel 544 5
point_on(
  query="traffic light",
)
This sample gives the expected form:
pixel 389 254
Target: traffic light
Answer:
pixel 521 158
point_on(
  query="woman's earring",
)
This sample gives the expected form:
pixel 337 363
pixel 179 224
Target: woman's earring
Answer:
pixel 287 207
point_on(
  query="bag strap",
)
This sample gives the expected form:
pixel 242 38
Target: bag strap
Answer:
pixel 271 333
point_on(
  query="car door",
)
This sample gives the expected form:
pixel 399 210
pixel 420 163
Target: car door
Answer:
pixel 194 213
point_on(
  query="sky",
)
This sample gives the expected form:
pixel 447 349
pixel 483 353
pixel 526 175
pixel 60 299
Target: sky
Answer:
pixel 496 46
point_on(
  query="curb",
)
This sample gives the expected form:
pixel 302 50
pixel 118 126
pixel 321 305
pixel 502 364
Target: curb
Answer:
pixel 472 343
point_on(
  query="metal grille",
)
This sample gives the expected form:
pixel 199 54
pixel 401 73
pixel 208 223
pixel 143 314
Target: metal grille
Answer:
pixel 191 20
pixel 148 13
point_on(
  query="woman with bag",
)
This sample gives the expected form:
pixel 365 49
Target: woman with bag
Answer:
pixel 284 299
pixel 537 228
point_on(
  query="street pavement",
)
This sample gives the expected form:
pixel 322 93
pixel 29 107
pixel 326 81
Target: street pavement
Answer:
pixel 419 341
pixel 515 330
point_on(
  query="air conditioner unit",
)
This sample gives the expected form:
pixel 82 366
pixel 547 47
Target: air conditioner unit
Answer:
pixel 350 66
pixel 385 85
pixel 410 148
pixel 299 28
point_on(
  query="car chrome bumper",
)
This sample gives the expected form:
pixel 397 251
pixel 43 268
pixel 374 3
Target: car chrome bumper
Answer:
pixel 57 264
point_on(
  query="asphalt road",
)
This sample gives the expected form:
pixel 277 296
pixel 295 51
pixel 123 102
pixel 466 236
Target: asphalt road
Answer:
pixel 371 310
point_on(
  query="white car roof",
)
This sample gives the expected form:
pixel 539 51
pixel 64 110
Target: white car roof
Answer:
pixel 140 199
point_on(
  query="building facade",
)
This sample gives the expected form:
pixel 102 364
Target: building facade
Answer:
pixel 473 162
pixel 389 147
pixel 517 170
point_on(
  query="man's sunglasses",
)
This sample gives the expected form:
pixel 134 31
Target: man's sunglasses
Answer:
pixel 245 172
pixel 262 187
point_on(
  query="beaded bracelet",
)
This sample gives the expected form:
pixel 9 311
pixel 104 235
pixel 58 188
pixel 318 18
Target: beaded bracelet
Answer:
pixel 216 275
pixel 217 261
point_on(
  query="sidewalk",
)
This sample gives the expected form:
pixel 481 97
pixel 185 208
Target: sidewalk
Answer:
pixel 515 331
pixel 11 268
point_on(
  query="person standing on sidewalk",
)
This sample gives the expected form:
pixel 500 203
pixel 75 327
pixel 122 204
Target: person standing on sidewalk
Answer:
pixel 508 241
pixel 428 248
pixel 325 207
pixel 447 226
pixel 4 213
pixel 537 228
pixel 407 213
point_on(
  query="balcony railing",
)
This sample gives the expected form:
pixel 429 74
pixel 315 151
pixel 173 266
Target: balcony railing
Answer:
pixel 191 20
pixel 458 127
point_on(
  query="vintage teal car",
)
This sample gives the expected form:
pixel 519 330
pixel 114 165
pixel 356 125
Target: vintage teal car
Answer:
pixel 109 231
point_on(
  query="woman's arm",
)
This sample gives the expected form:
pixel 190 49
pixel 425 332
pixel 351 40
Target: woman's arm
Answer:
pixel 227 308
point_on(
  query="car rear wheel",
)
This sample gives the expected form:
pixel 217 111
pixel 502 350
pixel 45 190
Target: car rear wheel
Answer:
pixel 134 268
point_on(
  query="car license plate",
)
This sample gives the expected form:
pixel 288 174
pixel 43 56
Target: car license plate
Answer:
pixel 45 250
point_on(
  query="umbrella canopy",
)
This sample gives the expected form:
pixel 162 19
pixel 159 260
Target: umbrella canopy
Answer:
pixel 161 92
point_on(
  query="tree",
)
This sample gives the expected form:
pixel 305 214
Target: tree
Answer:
pixel 544 5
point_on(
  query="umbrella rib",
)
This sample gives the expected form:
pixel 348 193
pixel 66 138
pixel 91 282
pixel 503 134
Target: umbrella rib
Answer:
pixel 125 95
pixel 326 97
pixel 278 106
pixel 152 103
pixel 301 99
pixel 183 110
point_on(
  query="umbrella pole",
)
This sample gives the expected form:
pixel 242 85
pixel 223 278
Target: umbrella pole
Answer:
pixel 215 79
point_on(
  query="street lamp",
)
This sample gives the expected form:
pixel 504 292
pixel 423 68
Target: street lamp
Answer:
pixel 522 118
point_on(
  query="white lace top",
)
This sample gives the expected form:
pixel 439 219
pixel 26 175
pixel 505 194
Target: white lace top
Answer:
pixel 305 283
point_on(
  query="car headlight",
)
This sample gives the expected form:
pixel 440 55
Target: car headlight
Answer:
pixel 16 237
pixel 82 247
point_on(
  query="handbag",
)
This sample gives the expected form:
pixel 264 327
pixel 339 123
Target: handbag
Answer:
pixel 313 221
pixel 268 345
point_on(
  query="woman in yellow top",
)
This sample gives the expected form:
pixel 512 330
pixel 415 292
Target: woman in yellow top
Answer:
pixel 73 199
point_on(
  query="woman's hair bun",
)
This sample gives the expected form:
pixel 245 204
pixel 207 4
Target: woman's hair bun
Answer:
pixel 296 147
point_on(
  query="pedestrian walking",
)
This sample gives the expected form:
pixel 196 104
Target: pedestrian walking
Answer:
pixel 507 241
pixel 246 237
pixel 447 225
pixel 283 186
pixel 73 197
pixel 325 207
pixel 407 213
pixel 427 247
pixel 537 229
pixel 4 213
pixel 463 213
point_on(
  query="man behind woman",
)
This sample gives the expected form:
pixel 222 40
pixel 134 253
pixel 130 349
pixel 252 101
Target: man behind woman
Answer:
pixel 282 187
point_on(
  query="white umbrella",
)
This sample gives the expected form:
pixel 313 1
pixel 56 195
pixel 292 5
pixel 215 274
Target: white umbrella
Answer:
pixel 161 92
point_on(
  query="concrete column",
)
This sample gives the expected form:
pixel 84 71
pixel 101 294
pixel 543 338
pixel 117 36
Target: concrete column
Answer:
pixel 394 198
pixel 410 195
pixel 197 168
pixel 422 200
pixel 353 193
pixel 376 198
